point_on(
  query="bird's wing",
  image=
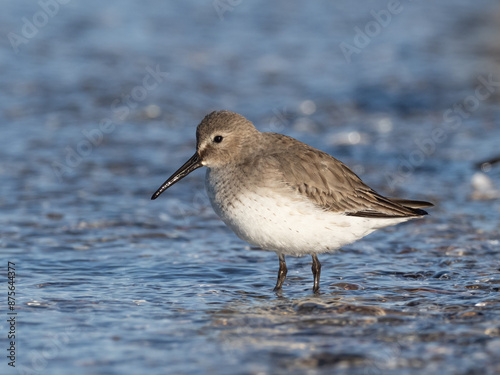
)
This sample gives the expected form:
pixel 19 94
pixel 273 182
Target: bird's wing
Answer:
pixel 411 203
pixel 331 185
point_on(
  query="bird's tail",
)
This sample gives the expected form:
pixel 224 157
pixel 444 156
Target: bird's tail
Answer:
pixel 416 205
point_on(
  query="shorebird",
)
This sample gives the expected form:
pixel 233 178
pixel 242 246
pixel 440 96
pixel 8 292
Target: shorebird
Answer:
pixel 283 195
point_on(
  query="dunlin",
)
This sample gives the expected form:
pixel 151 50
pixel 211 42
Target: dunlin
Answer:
pixel 282 195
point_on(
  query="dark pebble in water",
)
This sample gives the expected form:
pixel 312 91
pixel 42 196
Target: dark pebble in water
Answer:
pixel 54 216
pixel 442 275
pixel 477 286
pixel 345 286
pixel 413 275
pixel 333 359
pixel 307 307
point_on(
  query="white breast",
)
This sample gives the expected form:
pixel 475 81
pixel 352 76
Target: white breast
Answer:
pixel 284 221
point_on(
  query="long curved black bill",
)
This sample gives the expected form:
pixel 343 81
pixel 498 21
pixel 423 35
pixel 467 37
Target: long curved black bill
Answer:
pixel 187 168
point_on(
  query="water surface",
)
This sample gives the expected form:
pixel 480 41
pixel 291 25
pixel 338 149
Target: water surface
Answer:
pixel 100 106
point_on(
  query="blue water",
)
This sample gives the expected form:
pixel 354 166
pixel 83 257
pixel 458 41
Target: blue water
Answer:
pixel 99 105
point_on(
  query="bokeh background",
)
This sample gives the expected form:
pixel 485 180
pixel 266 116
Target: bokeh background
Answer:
pixel 99 105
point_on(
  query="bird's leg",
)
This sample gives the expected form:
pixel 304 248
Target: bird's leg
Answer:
pixel 281 273
pixel 316 268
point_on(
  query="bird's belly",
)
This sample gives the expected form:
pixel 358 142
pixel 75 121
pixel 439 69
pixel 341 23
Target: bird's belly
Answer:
pixel 288 224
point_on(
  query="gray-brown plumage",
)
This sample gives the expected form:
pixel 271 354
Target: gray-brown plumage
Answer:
pixel 328 182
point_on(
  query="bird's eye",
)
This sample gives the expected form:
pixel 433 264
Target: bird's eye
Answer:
pixel 218 138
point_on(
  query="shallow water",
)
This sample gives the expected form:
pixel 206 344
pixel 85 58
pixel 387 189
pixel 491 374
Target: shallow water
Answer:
pixel 109 282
